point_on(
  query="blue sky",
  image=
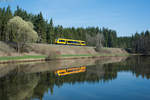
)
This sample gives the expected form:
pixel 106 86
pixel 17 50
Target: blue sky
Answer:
pixel 124 16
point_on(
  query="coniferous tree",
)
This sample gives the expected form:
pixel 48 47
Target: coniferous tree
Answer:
pixel 40 27
pixel 7 18
pixel 50 32
pixel 5 15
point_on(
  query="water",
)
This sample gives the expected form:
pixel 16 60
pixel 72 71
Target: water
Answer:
pixel 94 79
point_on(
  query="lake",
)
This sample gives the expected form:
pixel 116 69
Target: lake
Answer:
pixel 107 78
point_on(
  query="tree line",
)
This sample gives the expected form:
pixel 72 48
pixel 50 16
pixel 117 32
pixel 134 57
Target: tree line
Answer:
pixel 48 32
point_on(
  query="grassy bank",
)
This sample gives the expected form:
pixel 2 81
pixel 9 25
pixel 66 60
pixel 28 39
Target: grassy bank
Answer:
pixel 21 57
pixel 28 57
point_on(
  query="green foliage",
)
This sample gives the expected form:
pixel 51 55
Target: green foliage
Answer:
pixel 5 15
pixel 40 27
pixel 141 43
pixel 50 32
pixel 20 31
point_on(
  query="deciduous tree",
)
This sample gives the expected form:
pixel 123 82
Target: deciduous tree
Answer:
pixel 20 32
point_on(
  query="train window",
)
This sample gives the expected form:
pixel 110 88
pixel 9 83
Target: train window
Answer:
pixel 73 42
pixel 83 42
pixel 61 40
pixel 70 41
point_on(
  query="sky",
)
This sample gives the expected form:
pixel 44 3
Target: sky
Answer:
pixel 124 16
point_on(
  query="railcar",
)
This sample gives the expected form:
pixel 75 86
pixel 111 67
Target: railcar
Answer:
pixel 69 42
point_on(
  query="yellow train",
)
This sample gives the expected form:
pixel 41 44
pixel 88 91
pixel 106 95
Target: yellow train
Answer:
pixel 69 42
pixel 68 71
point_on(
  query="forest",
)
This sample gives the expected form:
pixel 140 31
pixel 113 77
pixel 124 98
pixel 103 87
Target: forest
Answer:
pixel 48 32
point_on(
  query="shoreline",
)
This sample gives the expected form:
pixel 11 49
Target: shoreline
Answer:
pixel 31 58
pixel 44 66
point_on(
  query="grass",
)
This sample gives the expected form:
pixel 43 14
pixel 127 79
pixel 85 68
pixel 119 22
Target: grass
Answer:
pixel 21 57
pixel 7 58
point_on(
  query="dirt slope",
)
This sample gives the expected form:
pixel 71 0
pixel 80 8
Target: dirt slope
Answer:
pixel 6 50
pixel 75 50
pixel 64 49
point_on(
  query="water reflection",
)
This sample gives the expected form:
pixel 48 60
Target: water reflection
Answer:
pixel 18 85
pixel 69 71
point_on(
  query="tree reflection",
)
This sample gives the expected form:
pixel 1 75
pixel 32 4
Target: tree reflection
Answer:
pixel 21 86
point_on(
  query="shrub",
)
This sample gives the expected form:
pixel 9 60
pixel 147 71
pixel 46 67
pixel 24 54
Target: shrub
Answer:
pixel 98 48
pixel 51 55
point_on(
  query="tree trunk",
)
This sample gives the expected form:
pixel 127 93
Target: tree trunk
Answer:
pixel 18 47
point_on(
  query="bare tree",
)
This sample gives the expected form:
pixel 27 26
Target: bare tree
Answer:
pixel 96 40
pixel 90 40
pixel 99 39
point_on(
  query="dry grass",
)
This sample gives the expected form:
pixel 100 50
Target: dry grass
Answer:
pixel 43 49
pixel 46 49
pixel 63 49
pixel 112 51
pixel 6 50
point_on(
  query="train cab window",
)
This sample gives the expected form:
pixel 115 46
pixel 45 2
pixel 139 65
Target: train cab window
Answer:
pixel 61 40
pixel 83 42
pixel 61 72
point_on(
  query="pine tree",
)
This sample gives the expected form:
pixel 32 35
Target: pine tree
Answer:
pixel 8 16
pixel 5 15
pixel 50 32
pixel 1 18
pixel 147 33
pixel 40 27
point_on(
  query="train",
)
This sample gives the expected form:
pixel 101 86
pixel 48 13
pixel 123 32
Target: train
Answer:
pixel 69 42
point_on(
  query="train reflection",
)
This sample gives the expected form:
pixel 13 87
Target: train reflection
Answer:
pixel 68 71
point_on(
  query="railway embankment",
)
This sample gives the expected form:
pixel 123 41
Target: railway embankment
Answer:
pixel 40 52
